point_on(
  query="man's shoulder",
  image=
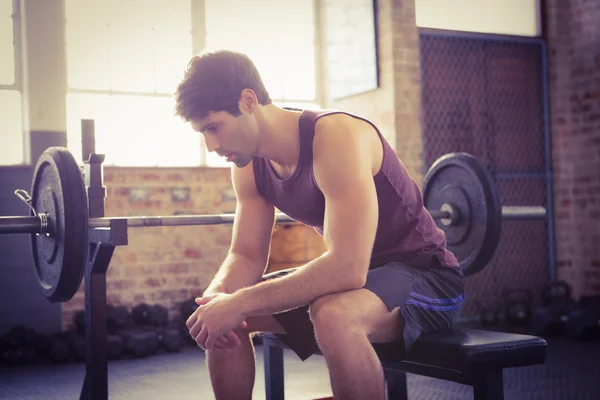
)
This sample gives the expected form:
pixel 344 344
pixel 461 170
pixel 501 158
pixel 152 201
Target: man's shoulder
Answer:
pixel 339 123
pixel 243 178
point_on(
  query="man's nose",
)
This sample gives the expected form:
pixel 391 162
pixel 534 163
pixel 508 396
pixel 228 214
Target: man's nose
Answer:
pixel 211 143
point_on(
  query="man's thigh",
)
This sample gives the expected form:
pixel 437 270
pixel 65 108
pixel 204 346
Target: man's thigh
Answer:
pixel 361 309
pixel 397 303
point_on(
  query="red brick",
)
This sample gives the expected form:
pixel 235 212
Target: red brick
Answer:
pixel 192 253
pixel 121 191
pixel 139 298
pixel 178 268
pixel 176 177
pixel 150 177
pixel 174 294
pixel 153 282
pixel 139 270
pixel 574 66
pixel 119 285
pixel 153 204
pixel 190 281
pixel 114 299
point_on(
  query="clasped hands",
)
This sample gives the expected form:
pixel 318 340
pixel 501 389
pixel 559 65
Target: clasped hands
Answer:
pixel 212 324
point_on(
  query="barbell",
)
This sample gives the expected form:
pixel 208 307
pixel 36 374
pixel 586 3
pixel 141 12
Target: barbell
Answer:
pixel 459 193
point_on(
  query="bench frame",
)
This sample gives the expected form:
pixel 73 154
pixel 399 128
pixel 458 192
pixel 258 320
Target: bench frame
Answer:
pixel 487 383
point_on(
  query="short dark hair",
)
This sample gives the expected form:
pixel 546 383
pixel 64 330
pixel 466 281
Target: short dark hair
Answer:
pixel 214 81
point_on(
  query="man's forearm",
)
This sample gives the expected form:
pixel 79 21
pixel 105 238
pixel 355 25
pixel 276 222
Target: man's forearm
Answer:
pixel 235 273
pixel 309 282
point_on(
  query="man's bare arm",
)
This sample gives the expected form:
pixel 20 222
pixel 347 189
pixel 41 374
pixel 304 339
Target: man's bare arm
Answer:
pixel 251 238
pixel 343 171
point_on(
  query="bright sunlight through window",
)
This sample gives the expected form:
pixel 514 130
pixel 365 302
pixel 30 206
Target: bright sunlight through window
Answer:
pixel 126 57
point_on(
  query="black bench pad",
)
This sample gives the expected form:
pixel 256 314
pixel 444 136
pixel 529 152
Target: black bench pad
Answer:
pixel 466 352
pixel 463 351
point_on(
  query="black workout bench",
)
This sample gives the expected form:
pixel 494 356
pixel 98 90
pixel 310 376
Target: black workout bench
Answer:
pixel 467 356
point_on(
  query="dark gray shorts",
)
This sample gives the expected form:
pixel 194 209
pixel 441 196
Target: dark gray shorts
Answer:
pixel 429 300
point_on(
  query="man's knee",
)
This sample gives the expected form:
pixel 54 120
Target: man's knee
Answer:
pixel 328 313
pixel 355 312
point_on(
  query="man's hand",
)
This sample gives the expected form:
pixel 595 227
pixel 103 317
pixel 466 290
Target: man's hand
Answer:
pixel 212 324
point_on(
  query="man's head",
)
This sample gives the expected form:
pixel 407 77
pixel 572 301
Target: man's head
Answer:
pixel 218 96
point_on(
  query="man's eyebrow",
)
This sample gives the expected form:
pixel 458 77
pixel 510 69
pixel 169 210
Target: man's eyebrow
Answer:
pixel 205 126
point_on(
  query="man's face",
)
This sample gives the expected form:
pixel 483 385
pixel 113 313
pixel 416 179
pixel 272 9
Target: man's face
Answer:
pixel 232 137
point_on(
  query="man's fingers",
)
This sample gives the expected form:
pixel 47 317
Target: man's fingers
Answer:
pixel 225 343
pixel 209 344
pixel 204 300
pixel 233 339
pixel 201 339
pixel 195 329
pixel 221 346
pixel 191 321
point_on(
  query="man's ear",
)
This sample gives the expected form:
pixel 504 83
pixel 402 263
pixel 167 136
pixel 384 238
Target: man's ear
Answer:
pixel 248 101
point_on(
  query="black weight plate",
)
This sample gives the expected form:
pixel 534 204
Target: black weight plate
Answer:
pixel 460 180
pixel 60 256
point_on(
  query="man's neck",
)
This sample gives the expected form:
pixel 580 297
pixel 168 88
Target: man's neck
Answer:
pixel 279 135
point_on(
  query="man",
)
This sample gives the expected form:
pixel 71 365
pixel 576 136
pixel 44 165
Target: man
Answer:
pixel 386 275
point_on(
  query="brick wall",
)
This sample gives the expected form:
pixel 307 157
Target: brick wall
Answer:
pixel 163 265
pixel 573 35
pixel 407 86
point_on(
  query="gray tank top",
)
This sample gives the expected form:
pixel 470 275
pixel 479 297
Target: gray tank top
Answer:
pixel 405 231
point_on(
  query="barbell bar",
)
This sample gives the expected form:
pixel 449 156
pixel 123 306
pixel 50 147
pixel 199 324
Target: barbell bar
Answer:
pixel 34 224
pixel 508 213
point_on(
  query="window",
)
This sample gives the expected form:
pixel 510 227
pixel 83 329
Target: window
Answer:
pixel 11 129
pixel 124 60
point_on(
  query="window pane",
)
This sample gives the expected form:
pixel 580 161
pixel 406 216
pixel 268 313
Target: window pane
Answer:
pixel 131 58
pixel 7 52
pixel 131 50
pixel 296 76
pixel 133 130
pixel 172 40
pixel 287 63
pixel 106 51
pixel 11 129
pixel 87 56
pixel 5 8
pixel 87 45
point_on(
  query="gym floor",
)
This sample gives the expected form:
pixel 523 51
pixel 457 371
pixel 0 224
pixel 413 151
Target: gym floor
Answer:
pixel 571 371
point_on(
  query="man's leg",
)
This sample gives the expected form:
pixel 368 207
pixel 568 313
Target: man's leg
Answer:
pixel 232 374
pixel 345 325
